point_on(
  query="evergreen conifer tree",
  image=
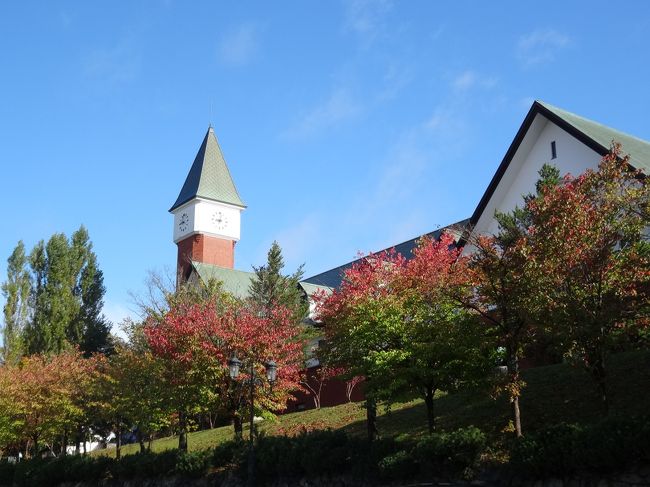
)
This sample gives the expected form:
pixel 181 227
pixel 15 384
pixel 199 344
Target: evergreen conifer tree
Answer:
pixel 271 287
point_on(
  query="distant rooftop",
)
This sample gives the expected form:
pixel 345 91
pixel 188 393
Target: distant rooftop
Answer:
pixel 332 278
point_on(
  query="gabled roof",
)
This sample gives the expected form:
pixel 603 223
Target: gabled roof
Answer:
pixel 238 282
pixel 594 135
pixel 209 176
pixel 310 288
pixel 332 278
pixel 233 281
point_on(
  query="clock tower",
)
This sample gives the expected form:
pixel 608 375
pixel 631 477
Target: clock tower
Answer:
pixel 207 212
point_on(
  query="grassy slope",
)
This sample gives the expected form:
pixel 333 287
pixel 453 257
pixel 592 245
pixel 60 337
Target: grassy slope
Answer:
pixel 554 393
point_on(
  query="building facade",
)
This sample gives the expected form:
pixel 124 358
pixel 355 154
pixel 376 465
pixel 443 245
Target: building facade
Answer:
pixel 207 212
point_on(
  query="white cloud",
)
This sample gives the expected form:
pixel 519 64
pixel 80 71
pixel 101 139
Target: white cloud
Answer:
pixel 366 18
pixel 395 79
pixel 340 106
pixel 541 46
pixel 470 79
pixel 238 47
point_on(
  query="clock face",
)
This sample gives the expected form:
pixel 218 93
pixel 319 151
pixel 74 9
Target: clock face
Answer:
pixel 219 220
pixel 184 222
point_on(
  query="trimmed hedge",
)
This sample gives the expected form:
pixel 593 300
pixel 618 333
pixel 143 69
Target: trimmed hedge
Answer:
pixel 609 446
pixel 53 471
pixel 310 454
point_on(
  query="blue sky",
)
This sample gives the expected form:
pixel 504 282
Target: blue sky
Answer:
pixel 347 125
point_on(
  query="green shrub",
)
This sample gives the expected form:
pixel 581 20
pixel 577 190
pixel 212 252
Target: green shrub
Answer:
pixel 274 457
pixel 613 444
pixel 146 465
pixel 451 454
pixel 365 455
pixel 85 469
pixel 229 453
pixel 322 452
pixel 398 466
pixel 561 450
pixel 193 464
pixel 312 453
pixel 38 472
pixel 7 473
pixel 549 452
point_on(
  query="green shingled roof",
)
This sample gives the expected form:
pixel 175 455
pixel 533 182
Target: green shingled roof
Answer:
pixel 238 283
pixel 638 149
pixel 310 288
pixel 209 176
pixel 235 282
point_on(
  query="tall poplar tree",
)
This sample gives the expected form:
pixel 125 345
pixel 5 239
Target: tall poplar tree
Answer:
pixel 16 309
pixel 66 290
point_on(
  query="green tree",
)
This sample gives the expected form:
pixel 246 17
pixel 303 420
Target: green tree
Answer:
pixel 65 297
pixel 444 342
pixel 16 309
pixel 270 287
pixel 504 294
pixel 96 335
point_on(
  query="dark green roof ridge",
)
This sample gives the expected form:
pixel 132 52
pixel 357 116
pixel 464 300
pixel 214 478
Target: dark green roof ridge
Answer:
pixel 209 176
pixel 637 148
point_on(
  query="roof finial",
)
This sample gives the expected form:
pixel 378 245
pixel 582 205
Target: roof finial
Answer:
pixel 210 122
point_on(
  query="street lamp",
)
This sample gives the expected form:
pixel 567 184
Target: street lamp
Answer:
pixel 234 367
pixel 234 364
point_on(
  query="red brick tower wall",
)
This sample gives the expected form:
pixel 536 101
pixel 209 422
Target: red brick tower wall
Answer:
pixel 206 249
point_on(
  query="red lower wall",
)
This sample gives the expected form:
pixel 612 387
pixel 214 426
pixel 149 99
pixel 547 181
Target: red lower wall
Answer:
pixel 333 393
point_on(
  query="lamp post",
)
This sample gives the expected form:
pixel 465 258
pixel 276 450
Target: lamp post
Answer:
pixel 234 366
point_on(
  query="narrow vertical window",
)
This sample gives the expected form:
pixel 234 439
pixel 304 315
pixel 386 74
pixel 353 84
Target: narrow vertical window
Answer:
pixel 553 150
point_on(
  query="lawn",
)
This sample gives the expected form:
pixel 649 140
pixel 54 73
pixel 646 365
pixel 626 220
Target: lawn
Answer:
pixel 553 394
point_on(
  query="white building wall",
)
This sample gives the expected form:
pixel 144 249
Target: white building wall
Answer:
pixel 200 214
pixel 535 150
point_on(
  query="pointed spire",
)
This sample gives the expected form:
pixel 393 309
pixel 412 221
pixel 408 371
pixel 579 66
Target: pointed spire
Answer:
pixel 209 176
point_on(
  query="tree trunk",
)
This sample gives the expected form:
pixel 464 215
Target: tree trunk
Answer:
pixel 64 446
pixel 35 439
pixel 599 374
pixel 238 426
pixel 428 400
pixel 118 444
pixel 182 434
pixel 371 418
pixel 514 393
pixel 141 441
pixel 517 416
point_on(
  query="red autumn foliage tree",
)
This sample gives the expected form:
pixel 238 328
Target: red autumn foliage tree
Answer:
pixel 587 249
pixel 198 339
pixel 394 322
pixel 363 325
